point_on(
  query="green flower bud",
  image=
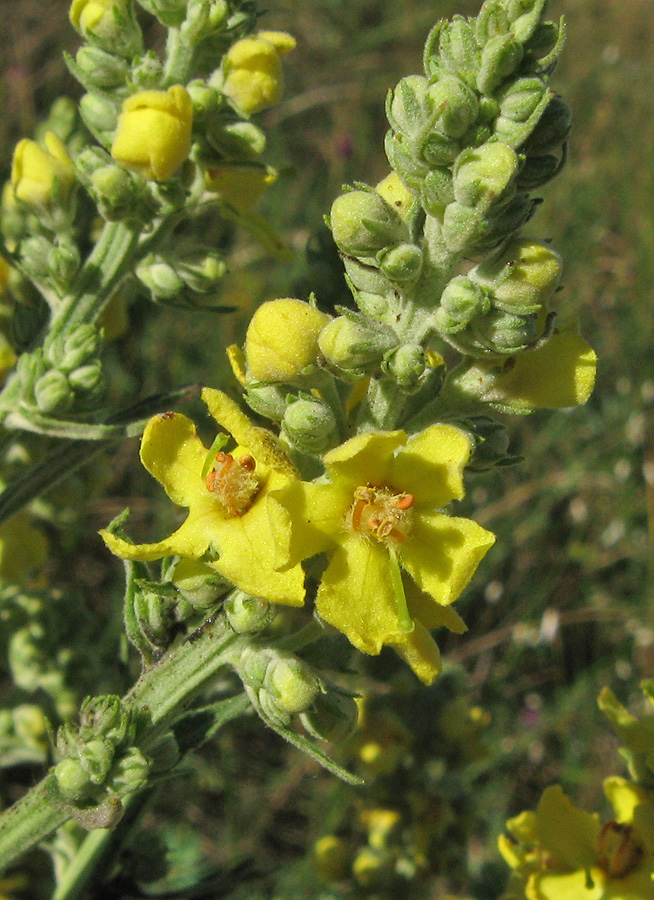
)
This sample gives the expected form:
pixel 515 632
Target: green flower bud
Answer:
pixel 439 150
pixel 154 613
pixel 504 220
pixel 408 107
pixel 96 757
pixel 64 262
pixel 170 13
pixel 500 57
pixel 199 584
pixel 268 400
pixel 458 103
pixel 525 17
pixel 523 277
pixel 99 114
pixel 309 425
pixel 538 170
pixel 82 344
pixel 522 104
pixel 483 175
pixel 121 194
pixel 363 223
pixel 490 444
pixel 130 773
pixel 401 263
pixel 35 252
pixel 100 69
pixel 504 333
pixel 437 191
pixel 333 717
pixel 246 614
pixel 109 24
pixel 88 379
pixel 160 277
pixel 407 365
pixel 147 72
pixel 365 277
pixel 374 306
pixel 203 19
pixel 552 130
pixel 462 226
pixel 72 780
pixel 454 45
pixel 492 20
pixel 253 663
pixel 369 867
pixel 204 273
pixel 237 139
pixel 52 392
pixel 105 717
pixel 355 343
pixel 403 158
pixel 461 302
pixel 291 683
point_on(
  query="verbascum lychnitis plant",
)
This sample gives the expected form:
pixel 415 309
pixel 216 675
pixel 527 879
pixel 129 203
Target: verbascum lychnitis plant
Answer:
pixel 324 515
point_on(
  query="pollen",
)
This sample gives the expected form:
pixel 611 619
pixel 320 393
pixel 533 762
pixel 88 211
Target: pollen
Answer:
pixel 234 483
pixel 381 513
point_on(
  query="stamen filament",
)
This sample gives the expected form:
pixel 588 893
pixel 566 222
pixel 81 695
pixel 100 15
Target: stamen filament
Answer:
pixel 219 442
pixel 404 616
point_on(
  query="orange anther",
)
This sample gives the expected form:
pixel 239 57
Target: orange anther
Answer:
pixel 405 501
pixel 247 462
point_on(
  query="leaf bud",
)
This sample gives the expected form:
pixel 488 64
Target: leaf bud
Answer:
pixel 461 302
pixel 246 614
pixel 354 342
pixel 282 340
pixel 292 684
pixel 42 176
pixel 309 425
pixel 153 135
pixel 523 277
pixel 401 263
pixel 407 365
pixel 199 584
pixel 500 57
pixel 101 69
pixel 72 780
pixel 482 175
pixel 52 392
pixel 333 716
pixel 363 223
pixel 458 103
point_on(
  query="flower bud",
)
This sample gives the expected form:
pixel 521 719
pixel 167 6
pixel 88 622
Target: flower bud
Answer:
pixel 246 614
pixel 130 773
pixel 240 185
pixel 153 611
pixel 42 177
pixel 160 277
pixel 330 858
pixel 355 343
pixel 366 278
pixel 96 757
pixel 52 392
pixel 199 584
pixel 154 132
pixel 72 780
pixel 523 278
pixel 458 103
pixel 363 223
pixel 333 717
pixel 483 174
pixel 291 683
pixel 101 69
pixel 99 114
pixel 500 57
pixel 237 139
pixel 462 301
pixel 490 449
pixel 401 263
pixel 396 194
pixel 253 70
pixel 202 271
pixel 309 425
pixel 408 109
pixel 282 340
pixel 456 48
pixel 407 365
pixel 82 344
pixel 64 262
pixel 538 170
pixel 108 23
pixel 88 379
pixel 268 400
pixel 146 73
pixel 552 129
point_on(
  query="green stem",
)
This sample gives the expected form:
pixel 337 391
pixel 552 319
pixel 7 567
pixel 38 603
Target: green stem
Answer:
pixel 179 58
pixel 27 822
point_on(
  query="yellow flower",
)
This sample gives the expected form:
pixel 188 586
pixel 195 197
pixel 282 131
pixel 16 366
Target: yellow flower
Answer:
pixel 227 524
pixel 39 176
pixel 238 184
pixel 154 132
pixel 282 340
pixel 95 16
pixel 637 735
pixel 7 357
pixel 23 549
pixel 253 71
pixel 564 853
pixel 381 514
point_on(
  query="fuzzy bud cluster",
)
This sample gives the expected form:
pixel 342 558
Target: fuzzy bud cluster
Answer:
pixel 182 279
pixel 280 684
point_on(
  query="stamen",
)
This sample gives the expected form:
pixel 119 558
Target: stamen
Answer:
pixel 219 442
pixel 381 513
pixel 404 616
pixel 405 501
pixel 233 483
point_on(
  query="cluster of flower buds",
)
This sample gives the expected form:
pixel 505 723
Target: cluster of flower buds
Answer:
pixel 99 762
pixel 279 684
pixel 187 278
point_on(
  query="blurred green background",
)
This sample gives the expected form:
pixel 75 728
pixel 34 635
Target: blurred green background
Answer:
pixel 564 603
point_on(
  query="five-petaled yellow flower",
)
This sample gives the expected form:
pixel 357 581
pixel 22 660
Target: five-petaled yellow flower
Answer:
pixel 381 514
pixel 227 524
pixel 563 853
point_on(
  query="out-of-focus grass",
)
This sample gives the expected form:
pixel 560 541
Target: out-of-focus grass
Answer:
pixel 564 602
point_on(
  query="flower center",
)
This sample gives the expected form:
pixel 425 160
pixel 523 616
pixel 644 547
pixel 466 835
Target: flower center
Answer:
pixel 233 483
pixel 381 513
pixel 617 850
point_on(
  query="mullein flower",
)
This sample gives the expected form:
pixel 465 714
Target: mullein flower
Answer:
pixel 282 340
pixel 225 493
pixel 561 852
pixel 42 176
pixel 253 70
pixel 154 132
pixel 381 514
pixel 239 184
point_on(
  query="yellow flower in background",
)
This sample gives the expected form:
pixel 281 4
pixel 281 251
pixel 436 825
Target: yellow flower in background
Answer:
pixel 253 70
pixel 381 514
pixel 239 184
pixel 227 524
pixel 282 340
pixel 154 132
pixel 563 853
pixel 7 357
pixel 23 549
pixel 40 175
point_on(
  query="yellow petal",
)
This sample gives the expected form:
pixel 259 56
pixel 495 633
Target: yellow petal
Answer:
pixel 420 651
pixel 569 886
pixel 567 833
pixel 173 453
pixel 633 805
pixel 356 595
pixel 522 827
pixel 443 552
pixel 263 444
pixel 431 465
pixel 365 459
pixel 424 608
pixel 306 519
pixel 192 539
